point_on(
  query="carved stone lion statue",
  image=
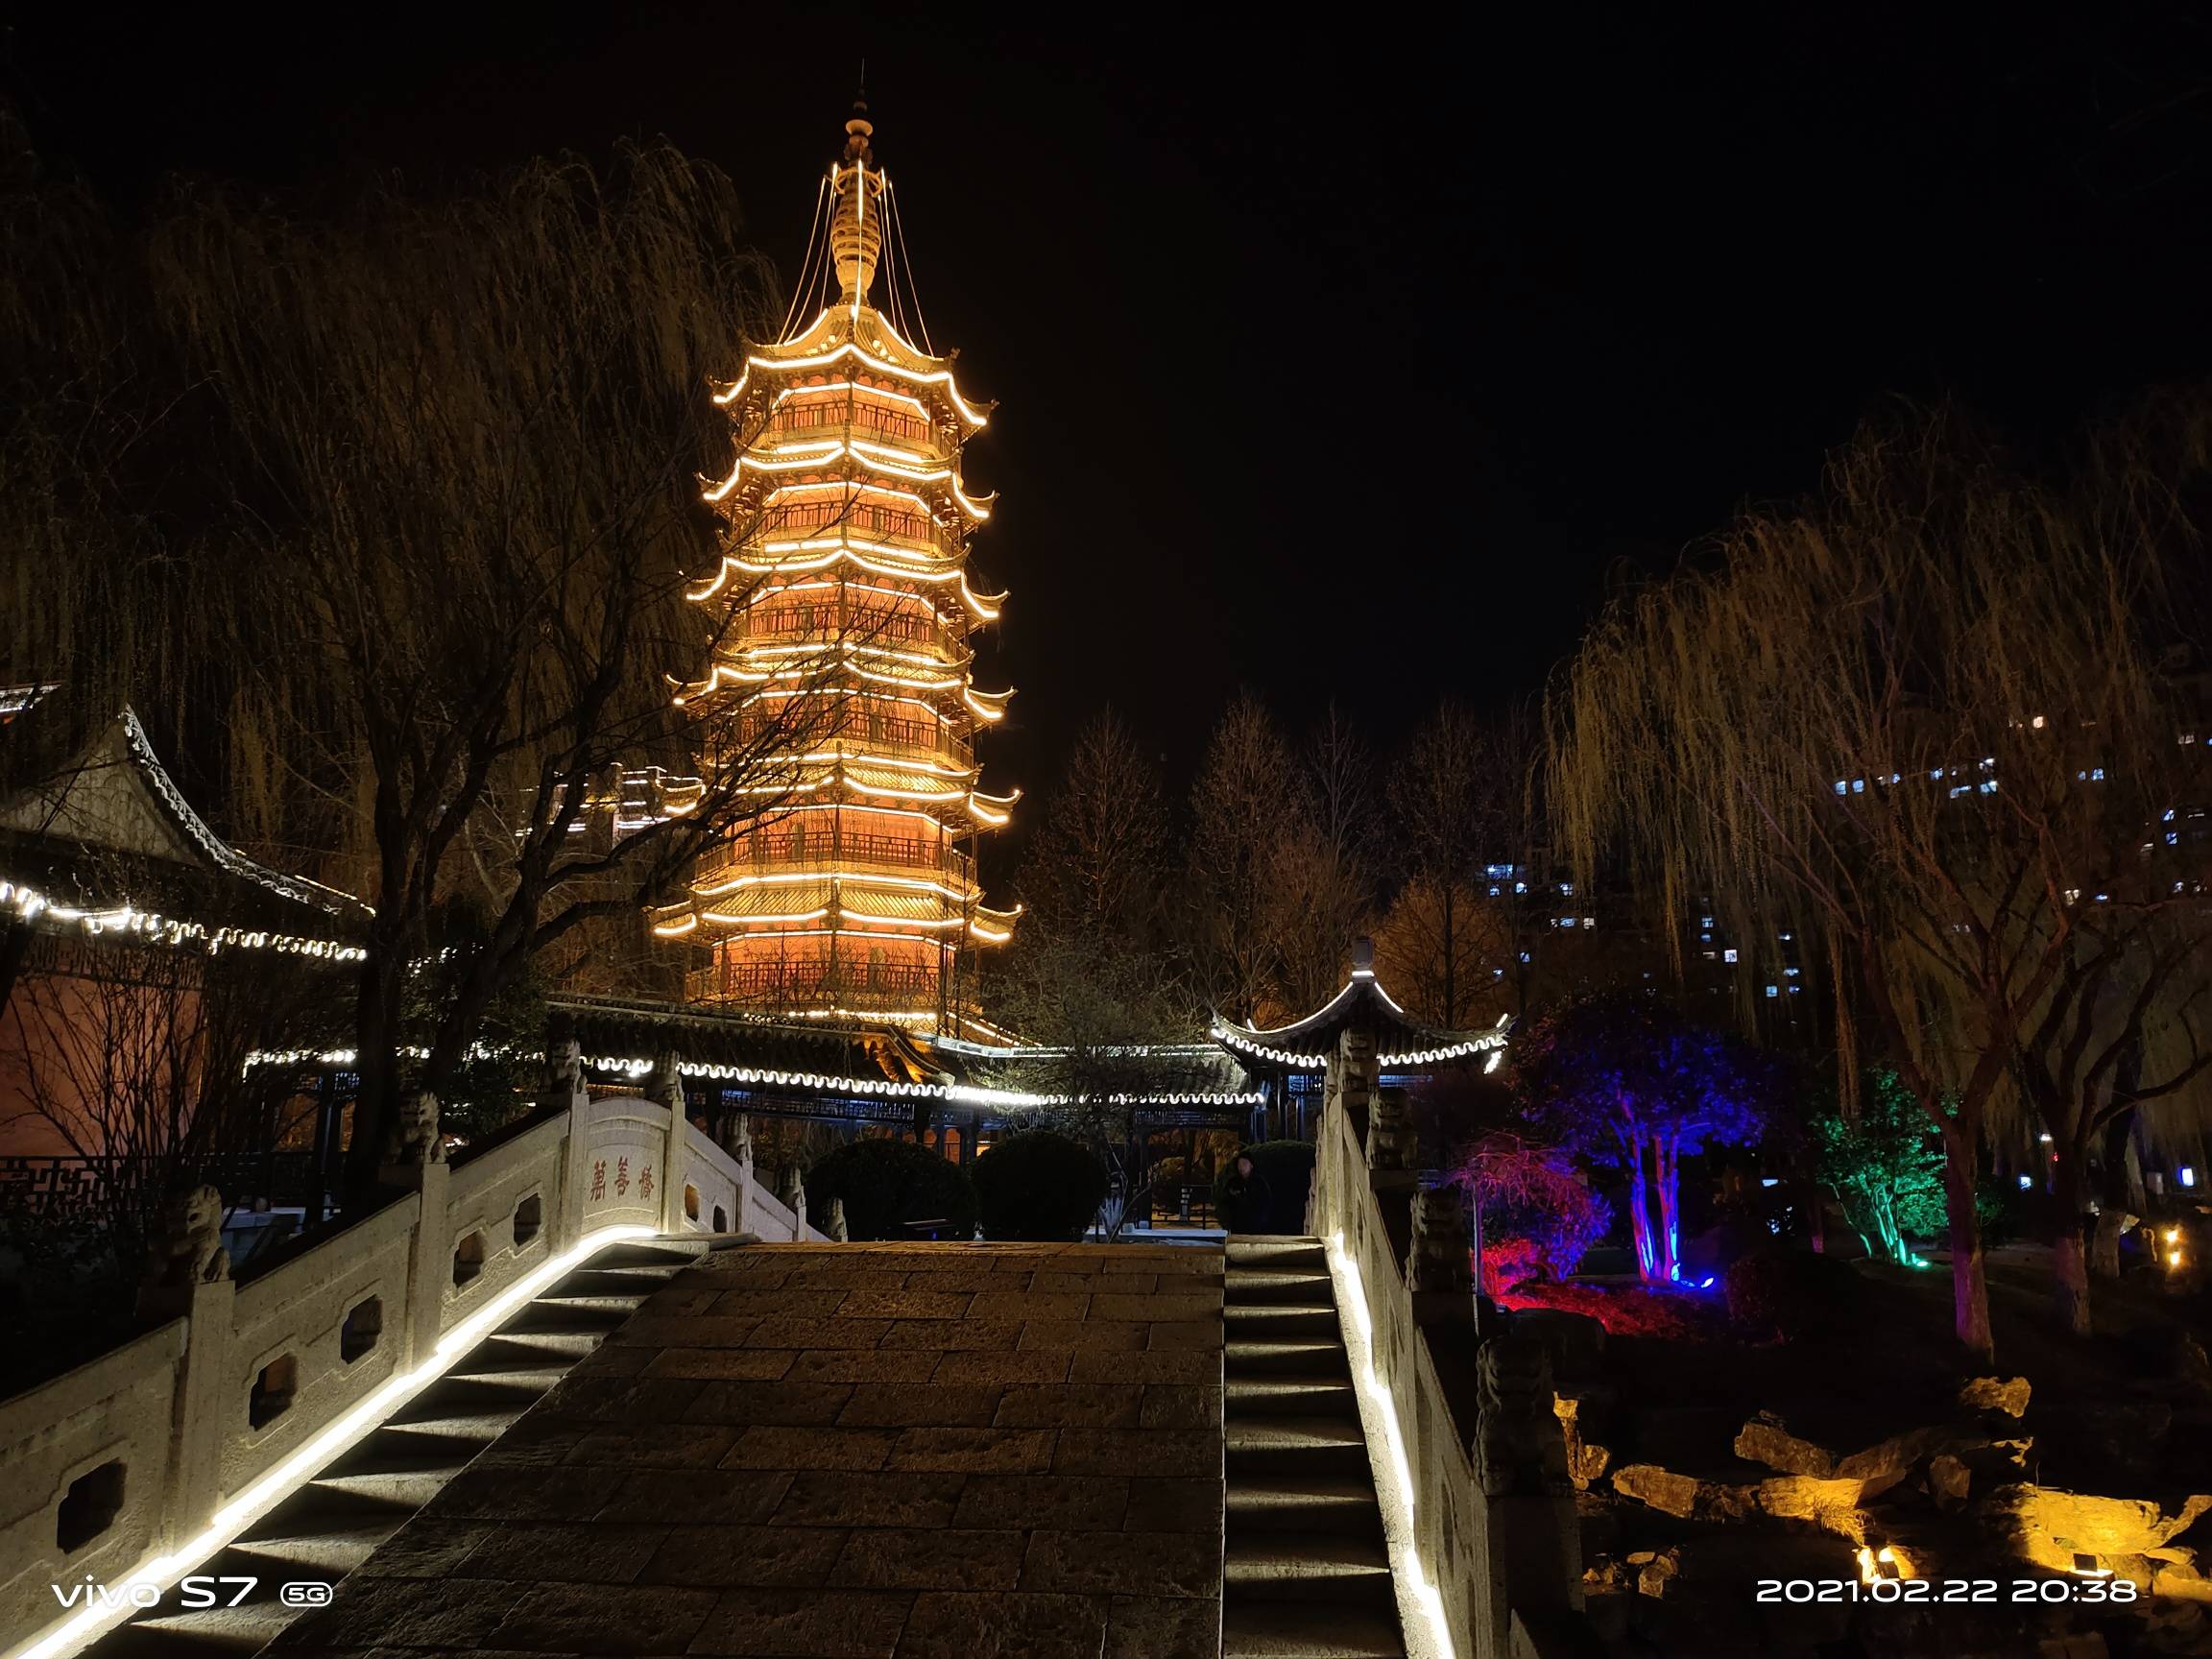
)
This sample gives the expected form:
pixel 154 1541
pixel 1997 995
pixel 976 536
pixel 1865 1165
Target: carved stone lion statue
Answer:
pixel 791 1187
pixel 835 1226
pixel 737 1137
pixel 414 1137
pixel 667 1085
pixel 565 1068
pixel 189 1250
pixel 1440 1257
pixel 1390 1140
pixel 1518 1444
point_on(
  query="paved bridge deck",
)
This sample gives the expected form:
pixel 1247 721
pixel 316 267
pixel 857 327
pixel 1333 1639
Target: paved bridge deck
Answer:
pixel 854 1452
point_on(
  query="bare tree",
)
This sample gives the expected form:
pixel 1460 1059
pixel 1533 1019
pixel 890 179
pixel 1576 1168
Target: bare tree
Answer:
pixel 1246 795
pixel 1469 969
pixel 471 431
pixel 1869 717
pixel 135 1059
pixel 1324 861
pixel 1098 868
pixel 1442 815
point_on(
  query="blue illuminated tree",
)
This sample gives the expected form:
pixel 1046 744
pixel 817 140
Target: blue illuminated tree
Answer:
pixel 1620 1078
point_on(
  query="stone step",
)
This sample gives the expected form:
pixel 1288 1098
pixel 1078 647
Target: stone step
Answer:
pixel 639 1253
pixel 1307 1503
pixel 482 1427
pixel 1307 1630
pixel 576 1321
pixel 460 1393
pixel 1307 1567
pixel 621 1304
pixel 598 1280
pixel 1293 1445
pixel 330 1553
pixel 1312 1320
pixel 1241 1287
pixel 1268 1250
pixel 1289 1394
pixel 1295 1355
pixel 171 1639
pixel 403 1449
pixel 245 1627
pixel 413 1487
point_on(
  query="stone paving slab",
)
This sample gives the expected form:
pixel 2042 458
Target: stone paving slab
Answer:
pixel 849 1452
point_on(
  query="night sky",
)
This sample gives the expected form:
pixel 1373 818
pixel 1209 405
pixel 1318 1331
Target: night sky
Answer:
pixel 1342 363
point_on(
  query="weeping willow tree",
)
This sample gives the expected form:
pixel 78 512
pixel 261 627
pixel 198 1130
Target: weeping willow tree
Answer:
pixel 1912 717
pixel 466 433
pixel 96 611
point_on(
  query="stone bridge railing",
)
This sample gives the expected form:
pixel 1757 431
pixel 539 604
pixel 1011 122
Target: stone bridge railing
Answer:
pixel 1471 1463
pixel 130 1459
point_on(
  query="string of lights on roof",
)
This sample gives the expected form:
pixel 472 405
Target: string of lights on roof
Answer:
pixel 151 927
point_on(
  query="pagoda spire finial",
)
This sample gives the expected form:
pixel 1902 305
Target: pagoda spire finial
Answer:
pixel 858 129
pixel 857 223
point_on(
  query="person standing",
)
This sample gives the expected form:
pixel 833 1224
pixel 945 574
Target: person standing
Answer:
pixel 1244 1198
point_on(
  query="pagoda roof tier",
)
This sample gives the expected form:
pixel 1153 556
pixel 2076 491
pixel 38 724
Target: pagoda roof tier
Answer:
pixel 856 463
pixel 1399 1039
pixel 829 553
pixel 864 339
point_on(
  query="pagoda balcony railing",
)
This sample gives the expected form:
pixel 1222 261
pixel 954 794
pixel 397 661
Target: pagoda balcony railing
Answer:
pixel 851 851
pixel 872 520
pixel 868 419
pixel 886 986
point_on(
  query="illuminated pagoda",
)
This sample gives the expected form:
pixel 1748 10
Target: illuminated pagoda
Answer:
pixel 845 624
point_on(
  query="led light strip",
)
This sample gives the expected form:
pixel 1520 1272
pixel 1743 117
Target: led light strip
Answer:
pixel 72 1634
pixel 1420 1603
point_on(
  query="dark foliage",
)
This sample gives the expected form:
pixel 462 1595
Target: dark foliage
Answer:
pixel 1286 1167
pixel 886 1184
pixel 1782 1292
pixel 1040 1185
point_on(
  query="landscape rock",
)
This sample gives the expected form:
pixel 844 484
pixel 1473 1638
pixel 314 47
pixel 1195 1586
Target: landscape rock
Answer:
pixel 1764 1439
pixel 1949 1481
pixel 1832 1506
pixel 1665 1491
pixel 1655 1573
pixel 1886 1462
pixel 1585 1462
pixel 2006 1394
pixel 2050 1527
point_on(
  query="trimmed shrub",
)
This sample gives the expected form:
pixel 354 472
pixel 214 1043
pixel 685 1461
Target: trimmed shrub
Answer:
pixel 1287 1168
pixel 1038 1186
pixel 886 1184
pixel 1783 1292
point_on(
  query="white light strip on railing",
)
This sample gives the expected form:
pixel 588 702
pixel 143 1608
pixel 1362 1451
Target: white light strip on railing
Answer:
pixel 1420 1603
pixel 161 1573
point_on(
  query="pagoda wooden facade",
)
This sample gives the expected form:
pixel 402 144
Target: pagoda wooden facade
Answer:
pixel 845 626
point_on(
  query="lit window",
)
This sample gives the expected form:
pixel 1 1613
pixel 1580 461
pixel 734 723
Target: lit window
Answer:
pixel 1989 786
pixel 1858 785
pixel 1773 990
pixel 2188 737
pixel 2096 774
pixel 1567 887
pixel 1520 886
pixel 1841 787
pixel 1790 972
pixel 2038 722
pixel 1727 955
pixel 1589 921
